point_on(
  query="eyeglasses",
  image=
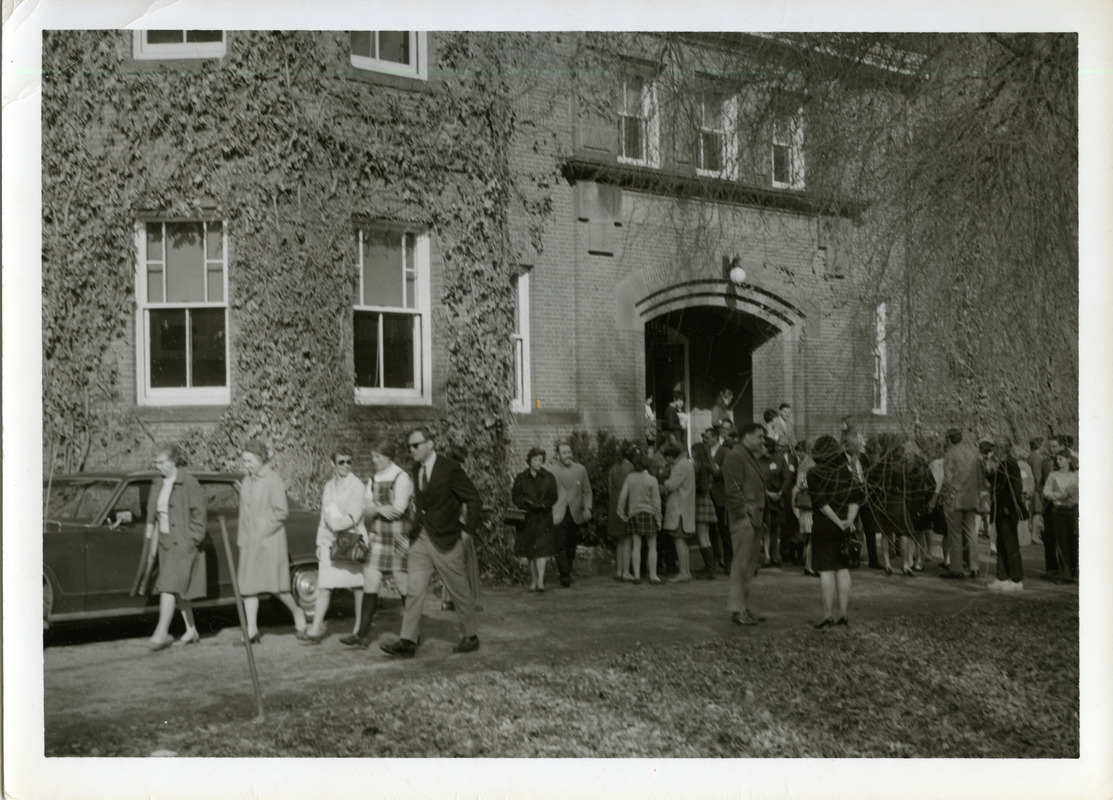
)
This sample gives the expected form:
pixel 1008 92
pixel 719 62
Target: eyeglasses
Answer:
pixel 342 461
pixel 415 445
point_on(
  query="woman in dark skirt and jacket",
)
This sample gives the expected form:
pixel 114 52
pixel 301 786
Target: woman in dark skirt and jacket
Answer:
pixel 535 491
pixel 176 518
pixel 836 495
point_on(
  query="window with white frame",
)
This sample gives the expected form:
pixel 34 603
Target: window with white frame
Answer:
pixel 182 316
pixel 712 134
pixel 390 52
pixel 520 338
pixel 158 44
pixel 391 342
pixel 880 365
pixel 638 125
pixel 788 149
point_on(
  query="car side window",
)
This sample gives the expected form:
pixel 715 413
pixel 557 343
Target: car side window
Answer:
pixel 130 506
pixel 221 497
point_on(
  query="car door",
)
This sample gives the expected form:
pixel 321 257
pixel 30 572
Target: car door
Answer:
pixel 63 548
pixel 113 549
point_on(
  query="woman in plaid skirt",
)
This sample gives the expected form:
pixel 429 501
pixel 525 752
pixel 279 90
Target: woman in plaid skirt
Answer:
pixel 386 506
pixel 639 506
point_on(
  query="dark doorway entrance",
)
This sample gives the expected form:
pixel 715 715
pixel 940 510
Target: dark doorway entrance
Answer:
pixel 706 350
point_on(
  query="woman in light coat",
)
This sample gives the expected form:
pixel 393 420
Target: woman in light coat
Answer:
pixel 680 508
pixel 341 510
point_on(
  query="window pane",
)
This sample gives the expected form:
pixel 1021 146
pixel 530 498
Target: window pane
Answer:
pixel 631 137
pixel 411 273
pixel 398 351
pixel 515 282
pixel 165 37
pixel 780 163
pixel 154 270
pixel 214 240
pixel 519 371
pixel 394 46
pixel 185 262
pixel 712 112
pixel 382 268
pixel 632 97
pixel 207 332
pixel 168 348
pixel 712 151
pixel 221 498
pixel 366 348
pixel 361 44
pixel 204 36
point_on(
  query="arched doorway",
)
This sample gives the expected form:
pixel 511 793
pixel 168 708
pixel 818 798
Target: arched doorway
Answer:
pixel 703 335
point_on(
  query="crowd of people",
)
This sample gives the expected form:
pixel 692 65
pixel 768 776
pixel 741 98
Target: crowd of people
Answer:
pixel 745 497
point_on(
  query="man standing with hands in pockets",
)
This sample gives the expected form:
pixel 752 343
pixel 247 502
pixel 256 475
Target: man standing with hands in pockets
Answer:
pixel 572 509
pixel 442 489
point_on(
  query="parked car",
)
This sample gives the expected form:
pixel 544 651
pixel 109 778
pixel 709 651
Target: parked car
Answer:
pixel 93 530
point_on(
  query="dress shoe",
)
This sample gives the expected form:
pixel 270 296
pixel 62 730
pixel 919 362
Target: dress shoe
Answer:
pixel 842 621
pixel 755 617
pixel 301 635
pixel 954 576
pixel 403 648
pixel 313 638
pixel 155 646
pixel 258 637
pixel 190 637
pixel 742 619
pixel 467 645
pixel 908 572
pixel 352 640
pixel 824 623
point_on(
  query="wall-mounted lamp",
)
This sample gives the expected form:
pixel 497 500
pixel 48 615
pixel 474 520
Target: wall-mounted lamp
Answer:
pixel 733 271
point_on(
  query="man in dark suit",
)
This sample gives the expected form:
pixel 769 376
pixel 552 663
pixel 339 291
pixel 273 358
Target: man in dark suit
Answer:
pixel 744 481
pixel 442 489
pixel 720 540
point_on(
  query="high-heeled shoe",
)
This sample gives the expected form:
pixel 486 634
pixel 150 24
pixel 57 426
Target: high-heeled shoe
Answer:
pixel 827 622
pixel 154 646
pixel 190 637
pixel 908 572
pixel 842 621
pixel 889 571
pixel 258 637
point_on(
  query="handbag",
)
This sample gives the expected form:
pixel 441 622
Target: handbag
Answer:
pixel 349 546
pixel 803 499
pixel 851 548
pixel 514 516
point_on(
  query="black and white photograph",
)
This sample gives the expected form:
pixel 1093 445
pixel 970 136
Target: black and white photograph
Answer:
pixel 651 400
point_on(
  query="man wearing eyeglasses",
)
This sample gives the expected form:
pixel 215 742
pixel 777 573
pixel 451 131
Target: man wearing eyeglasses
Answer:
pixel 442 489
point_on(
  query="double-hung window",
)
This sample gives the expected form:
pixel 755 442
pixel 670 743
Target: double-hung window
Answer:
pixel 712 134
pixel 182 325
pixel 391 343
pixel 638 124
pixel 788 149
pixel 391 52
pixel 159 44
pixel 520 339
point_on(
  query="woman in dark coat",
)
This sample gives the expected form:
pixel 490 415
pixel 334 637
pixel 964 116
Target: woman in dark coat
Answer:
pixel 836 495
pixel 535 491
pixel 176 514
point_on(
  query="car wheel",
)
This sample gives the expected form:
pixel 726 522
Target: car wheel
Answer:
pixel 303 584
pixel 48 602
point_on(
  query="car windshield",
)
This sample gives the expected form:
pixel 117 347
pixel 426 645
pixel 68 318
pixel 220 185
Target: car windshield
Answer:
pixel 80 502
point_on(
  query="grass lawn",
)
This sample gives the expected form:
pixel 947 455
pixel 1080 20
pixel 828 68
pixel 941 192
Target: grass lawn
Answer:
pixel 998 680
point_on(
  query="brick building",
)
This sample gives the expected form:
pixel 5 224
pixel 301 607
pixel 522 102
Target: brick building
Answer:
pixel 692 234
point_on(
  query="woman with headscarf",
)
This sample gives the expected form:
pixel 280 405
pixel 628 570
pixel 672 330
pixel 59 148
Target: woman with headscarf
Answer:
pixel 535 491
pixel 176 515
pixel 836 495
pixel 264 566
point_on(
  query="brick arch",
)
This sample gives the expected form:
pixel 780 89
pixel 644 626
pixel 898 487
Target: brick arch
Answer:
pixel 766 306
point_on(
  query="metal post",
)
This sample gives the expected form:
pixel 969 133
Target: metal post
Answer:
pixel 243 620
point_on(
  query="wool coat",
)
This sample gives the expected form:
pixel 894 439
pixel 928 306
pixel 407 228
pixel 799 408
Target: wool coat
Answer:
pixel 181 561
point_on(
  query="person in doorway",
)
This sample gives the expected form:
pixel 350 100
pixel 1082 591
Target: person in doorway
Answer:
pixel 723 407
pixel 386 505
pixel 744 482
pixel 572 509
pixel 639 506
pixel 676 418
pixel 264 566
pixel 781 427
pixel 443 491
pixel 341 510
pixel 680 508
pixel 176 517
pixel 535 491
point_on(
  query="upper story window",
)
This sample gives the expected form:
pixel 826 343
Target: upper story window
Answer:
pixel 391 343
pixel 520 339
pixel 182 317
pixel 638 125
pixel 391 52
pixel 788 149
pixel 150 45
pixel 712 123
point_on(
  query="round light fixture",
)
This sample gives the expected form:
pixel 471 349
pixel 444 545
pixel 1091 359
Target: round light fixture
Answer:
pixel 737 276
